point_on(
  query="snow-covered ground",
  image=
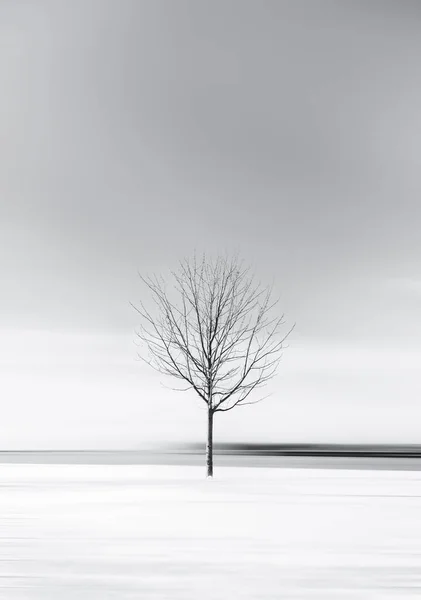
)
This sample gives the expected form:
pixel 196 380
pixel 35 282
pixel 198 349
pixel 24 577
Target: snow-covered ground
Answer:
pixel 96 532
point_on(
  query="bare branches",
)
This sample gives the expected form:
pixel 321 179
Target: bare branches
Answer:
pixel 216 329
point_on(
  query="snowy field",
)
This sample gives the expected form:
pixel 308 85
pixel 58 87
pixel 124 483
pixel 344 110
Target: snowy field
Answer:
pixel 97 532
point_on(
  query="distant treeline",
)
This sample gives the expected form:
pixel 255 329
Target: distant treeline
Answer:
pixel 377 450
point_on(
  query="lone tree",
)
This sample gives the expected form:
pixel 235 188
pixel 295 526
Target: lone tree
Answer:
pixel 216 329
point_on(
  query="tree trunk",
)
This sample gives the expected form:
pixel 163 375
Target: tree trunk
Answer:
pixel 209 445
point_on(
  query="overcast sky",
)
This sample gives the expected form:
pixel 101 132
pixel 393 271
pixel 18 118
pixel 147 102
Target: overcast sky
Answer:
pixel 133 131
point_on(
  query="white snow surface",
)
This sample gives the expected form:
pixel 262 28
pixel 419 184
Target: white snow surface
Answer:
pixel 95 532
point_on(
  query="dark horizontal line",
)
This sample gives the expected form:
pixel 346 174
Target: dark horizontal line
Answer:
pixel 242 449
pixel 322 450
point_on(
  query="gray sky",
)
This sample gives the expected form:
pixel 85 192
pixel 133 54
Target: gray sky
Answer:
pixel 132 132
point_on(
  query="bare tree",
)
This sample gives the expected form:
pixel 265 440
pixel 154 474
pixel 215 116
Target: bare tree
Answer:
pixel 215 329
